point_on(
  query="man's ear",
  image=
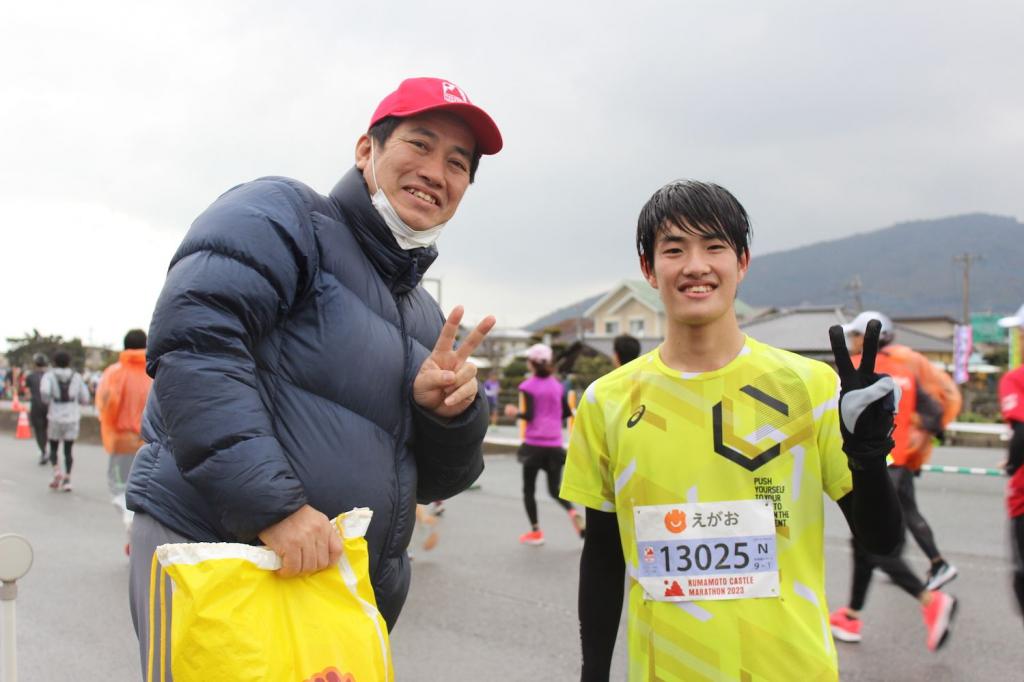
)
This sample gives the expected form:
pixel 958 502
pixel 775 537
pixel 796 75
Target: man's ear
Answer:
pixel 744 265
pixel 363 151
pixel 648 273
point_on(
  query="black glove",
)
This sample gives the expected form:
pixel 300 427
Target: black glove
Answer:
pixel 867 401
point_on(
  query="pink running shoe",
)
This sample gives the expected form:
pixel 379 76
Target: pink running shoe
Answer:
pixel 938 619
pixel 58 478
pixel 844 628
pixel 534 537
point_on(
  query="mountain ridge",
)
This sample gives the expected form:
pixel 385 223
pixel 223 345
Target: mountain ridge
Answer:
pixel 904 269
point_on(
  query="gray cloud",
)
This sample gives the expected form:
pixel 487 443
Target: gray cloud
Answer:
pixel 823 118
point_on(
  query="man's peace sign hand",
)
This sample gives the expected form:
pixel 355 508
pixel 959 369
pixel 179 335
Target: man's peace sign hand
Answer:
pixel 446 383
pixel 867 401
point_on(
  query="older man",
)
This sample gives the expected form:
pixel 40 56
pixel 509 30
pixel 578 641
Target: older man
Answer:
pixel 299 368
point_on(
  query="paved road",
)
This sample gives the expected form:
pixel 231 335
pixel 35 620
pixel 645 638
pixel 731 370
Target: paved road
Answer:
pixel 483 607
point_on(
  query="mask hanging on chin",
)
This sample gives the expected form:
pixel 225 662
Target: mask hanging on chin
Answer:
pixel 407 237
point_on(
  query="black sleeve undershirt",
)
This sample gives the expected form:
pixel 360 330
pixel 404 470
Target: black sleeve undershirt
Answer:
pixel 1015 452
pixel 602 576
pixel 526 413
pixel 872 509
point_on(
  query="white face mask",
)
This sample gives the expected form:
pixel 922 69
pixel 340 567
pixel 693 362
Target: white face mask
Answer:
pixel 406 237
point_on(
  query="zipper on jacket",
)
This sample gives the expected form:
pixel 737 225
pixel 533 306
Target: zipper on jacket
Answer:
pixel 399 443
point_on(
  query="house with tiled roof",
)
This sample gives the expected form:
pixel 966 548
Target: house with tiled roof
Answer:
pixel 634 307
pixel 804 331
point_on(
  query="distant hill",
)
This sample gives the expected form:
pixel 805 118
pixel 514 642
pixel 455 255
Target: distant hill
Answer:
pixel 906 269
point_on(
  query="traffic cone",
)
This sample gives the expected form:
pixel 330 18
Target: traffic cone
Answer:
pixel 23 428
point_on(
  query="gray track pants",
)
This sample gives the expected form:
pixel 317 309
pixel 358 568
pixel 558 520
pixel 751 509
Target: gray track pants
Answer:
pixel 146 535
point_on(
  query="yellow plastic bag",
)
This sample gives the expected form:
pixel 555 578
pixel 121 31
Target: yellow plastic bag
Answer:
pixel 234 618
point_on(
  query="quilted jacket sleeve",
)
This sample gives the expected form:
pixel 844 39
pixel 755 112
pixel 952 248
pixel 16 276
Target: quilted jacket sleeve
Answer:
pixel 241 266
pixel 449 455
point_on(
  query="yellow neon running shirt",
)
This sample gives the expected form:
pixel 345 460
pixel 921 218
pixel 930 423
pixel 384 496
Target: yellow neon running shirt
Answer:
pixel 646 434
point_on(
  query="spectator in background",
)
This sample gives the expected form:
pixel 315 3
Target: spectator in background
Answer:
pixel 37 413
pixel 625 349
pixel 64 391
pixel 491 390
pixel 120 399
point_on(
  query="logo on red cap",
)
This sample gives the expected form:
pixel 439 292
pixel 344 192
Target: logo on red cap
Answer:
pixel 453 93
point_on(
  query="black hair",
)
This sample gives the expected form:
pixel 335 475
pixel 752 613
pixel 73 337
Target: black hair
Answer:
pixel 702 209
pixel 626 348
pixel 62 358
pixel 40 360
pixel 540 369
pixel 381 132
pixel 135 339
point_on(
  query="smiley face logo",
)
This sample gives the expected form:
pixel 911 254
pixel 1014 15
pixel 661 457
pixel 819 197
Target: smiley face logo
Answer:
pixel 675 521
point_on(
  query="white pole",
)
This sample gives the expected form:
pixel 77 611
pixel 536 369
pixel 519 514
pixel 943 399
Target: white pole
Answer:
pixel 8 591
pixel 15 560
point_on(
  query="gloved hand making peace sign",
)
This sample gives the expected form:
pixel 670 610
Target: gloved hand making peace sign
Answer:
pixel 867 401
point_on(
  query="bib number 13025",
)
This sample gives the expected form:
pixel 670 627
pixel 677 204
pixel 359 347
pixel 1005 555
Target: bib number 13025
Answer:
pixel 726 554
pixel 710 550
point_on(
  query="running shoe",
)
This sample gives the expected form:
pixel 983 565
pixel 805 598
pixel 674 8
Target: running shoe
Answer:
pixel 938 619
pixel 58 477
pixel 431 541
pixel 44 459
pixel 578 523
pixel 534 537
pixel 65 484
pixel 940 574
pixel 844 628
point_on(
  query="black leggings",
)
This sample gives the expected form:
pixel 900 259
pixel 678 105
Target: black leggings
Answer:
pixel 550 460
pixel 893 564
pixel 1017 544
pixel 38 421
pixel 68 444
pixel 903 482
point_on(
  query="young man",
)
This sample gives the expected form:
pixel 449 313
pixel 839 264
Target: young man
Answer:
pixel 299 368
pixel 919 418
pixel 702 466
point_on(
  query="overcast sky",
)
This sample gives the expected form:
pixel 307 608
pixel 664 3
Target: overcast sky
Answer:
pixel 120 122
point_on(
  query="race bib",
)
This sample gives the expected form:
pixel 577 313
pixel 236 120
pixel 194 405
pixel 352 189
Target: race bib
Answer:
pixel 707 550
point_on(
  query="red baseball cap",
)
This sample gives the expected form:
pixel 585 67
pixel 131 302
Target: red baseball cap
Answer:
pixel 416 95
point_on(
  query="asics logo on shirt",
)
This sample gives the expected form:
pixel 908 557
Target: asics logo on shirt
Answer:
pixel 635 418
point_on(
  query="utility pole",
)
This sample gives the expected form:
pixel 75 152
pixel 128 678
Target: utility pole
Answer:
pixel 855 286
pixel 967 259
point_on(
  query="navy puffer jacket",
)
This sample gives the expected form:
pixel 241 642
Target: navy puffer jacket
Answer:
pixel 283 349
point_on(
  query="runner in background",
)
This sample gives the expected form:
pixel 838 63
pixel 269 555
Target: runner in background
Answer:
pixel 937 403
pixel 544 407
pixel 907 458
pixel 1011 400
pixel 64 392
pixel 625 349
pixel 120 399
pixel 37 413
